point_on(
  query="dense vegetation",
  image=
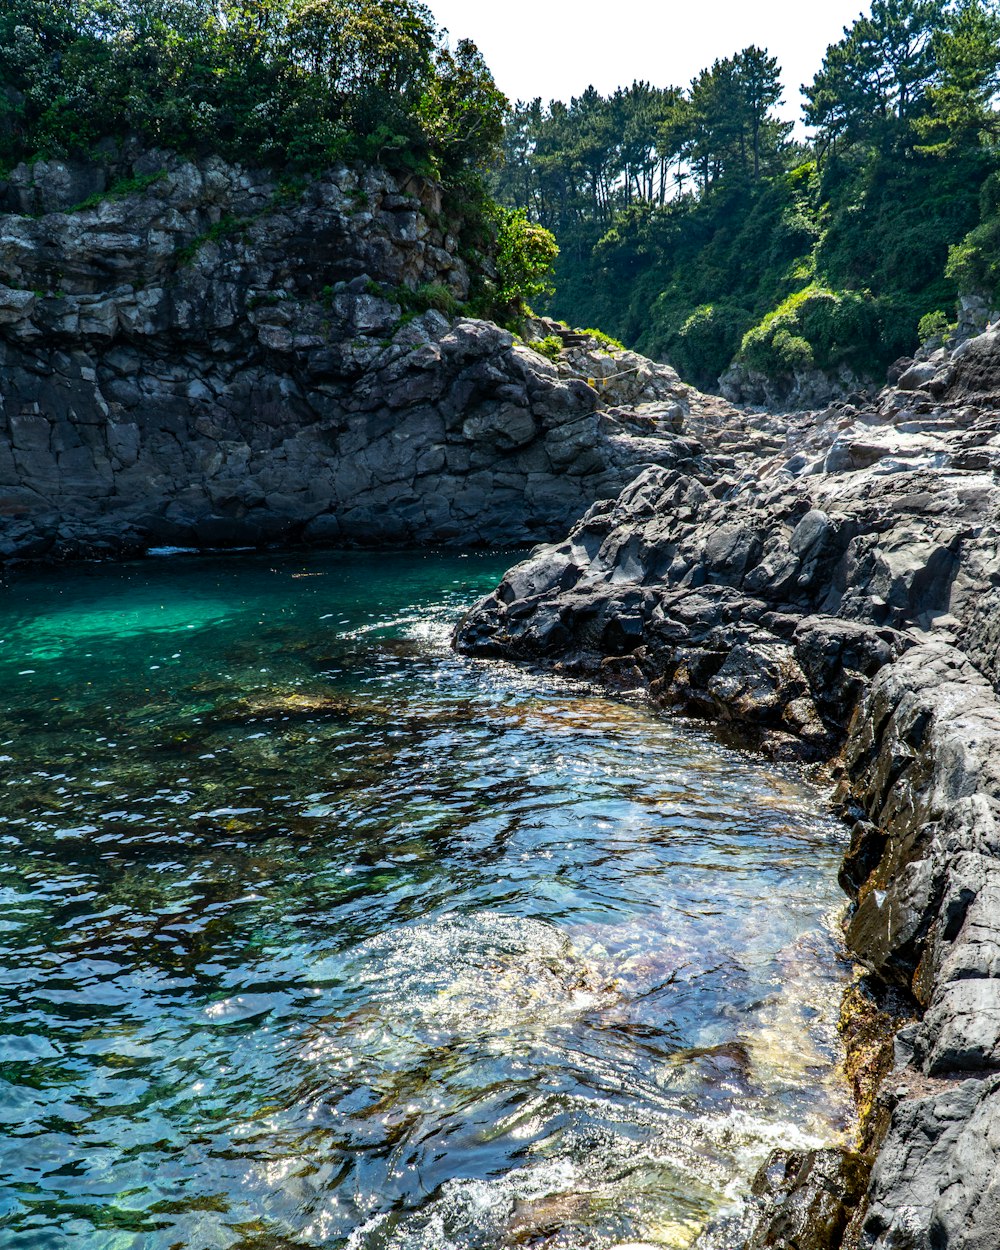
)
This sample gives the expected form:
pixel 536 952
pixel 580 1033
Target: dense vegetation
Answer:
pixel 291 84
pixel 693 226
pixel 265 80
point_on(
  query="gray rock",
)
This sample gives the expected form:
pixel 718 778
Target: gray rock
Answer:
pixel 849 608
pixel 258 378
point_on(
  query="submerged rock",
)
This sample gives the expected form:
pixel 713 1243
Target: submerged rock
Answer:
pixel 829 590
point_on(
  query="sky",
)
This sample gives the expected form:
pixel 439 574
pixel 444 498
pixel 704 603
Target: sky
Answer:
pixel 557 48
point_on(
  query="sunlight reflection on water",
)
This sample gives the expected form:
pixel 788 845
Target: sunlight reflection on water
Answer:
pixel 315 934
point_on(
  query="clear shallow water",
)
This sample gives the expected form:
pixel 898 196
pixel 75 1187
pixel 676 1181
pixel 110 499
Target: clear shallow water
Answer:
pixel 315 934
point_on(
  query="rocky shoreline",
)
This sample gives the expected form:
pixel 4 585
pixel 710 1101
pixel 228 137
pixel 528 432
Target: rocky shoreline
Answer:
pixel 825 587
pixel 207 357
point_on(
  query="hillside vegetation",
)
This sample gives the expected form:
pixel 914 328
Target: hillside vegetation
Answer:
pixel 693 226
pixel 293 85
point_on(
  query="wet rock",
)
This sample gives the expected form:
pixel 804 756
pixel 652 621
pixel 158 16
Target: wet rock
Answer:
pixel 834 586
pixel 807 1200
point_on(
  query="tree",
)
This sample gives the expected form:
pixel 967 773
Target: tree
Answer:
pixel 759 90
pixel 872 83
pixel 960 98
pixel 462 109
pixel 730 126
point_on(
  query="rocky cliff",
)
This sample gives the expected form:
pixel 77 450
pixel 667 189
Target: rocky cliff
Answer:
pixel 194 354
pixel 826 586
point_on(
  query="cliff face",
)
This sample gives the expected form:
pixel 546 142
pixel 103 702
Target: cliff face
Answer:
pixel 830 591
pixel 213 359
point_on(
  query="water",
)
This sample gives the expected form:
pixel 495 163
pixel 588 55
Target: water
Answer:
pixel 315 934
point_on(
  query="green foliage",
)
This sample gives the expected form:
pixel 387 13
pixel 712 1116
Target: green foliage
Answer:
pixel 227 227
pixel 974 261
pixel 708 340
pixel 728 129
pixel 427 296
pixel 524 255
pixel 687 219
pixel 935 326
pixel 412 300
pixel 462 110
pixel 283 82
pixel 605 340
pixel 550 347
pixel 959 99
pixel 119 190
pixel 873 83
pixel 814 328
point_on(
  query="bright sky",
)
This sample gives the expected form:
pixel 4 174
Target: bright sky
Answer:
pixel 557 48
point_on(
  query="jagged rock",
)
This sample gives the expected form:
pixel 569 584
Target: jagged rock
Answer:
pixel 802 390
pixel 807 1200
pixel 835 585
pixel 219 360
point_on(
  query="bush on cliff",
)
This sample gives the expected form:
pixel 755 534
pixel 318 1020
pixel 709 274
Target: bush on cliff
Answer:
pixel 815 328
pixel 525 253
pixel 269 81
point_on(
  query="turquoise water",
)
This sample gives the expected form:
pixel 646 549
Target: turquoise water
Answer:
pixel 313 933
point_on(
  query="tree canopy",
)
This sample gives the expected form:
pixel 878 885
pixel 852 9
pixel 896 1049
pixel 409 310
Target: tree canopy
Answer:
pixel 694 226
pixel 691 223
pixel 269 80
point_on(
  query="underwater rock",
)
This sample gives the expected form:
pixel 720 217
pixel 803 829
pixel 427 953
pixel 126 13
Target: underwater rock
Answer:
pixel 831 590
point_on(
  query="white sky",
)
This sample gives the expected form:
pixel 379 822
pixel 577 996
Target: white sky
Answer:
pixel 557 48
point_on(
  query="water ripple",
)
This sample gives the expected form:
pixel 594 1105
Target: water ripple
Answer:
pixel 313 934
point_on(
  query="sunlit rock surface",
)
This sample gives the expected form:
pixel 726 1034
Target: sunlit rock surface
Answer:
pixel 826 585
pixel 220 359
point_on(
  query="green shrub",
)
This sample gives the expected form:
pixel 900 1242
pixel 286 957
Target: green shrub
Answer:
pixel 708 340
pixel 605 340
pixel 974 263
pixel 818 328
pixel 550 347
pixel 119 190
pixel 792 353
pixel 300 82
pixel 935 325
pixel 431 295
pixel 413 301
pixel 525 254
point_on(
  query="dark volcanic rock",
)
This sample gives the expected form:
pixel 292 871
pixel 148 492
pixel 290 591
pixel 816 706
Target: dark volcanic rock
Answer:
pixel 221 361
pixel 807 1200
pixel 832 587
